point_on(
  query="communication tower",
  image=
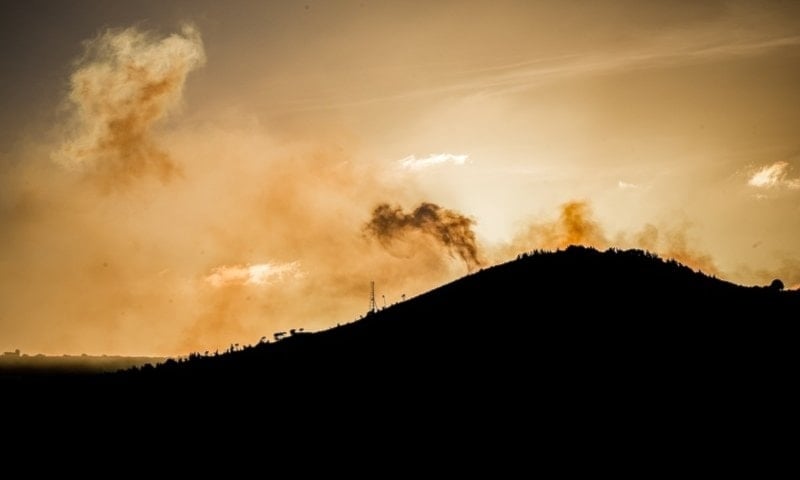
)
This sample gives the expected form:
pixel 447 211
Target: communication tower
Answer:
pixel 373 307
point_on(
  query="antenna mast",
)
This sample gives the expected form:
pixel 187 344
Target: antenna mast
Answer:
pixel 372 306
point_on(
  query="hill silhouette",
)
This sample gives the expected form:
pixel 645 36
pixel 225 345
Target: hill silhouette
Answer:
pixel 576 356
pixel 627 311
pixel 562 326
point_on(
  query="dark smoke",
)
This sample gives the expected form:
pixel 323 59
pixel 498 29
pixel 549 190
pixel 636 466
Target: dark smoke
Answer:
pixel 449 229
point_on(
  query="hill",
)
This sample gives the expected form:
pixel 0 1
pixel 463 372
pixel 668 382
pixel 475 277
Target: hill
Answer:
pixel 573 319
pixel 579 357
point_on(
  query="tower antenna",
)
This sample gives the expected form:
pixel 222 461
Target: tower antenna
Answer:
pixel 372 306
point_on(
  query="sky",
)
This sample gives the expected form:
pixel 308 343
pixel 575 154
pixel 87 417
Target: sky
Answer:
pixel 180 176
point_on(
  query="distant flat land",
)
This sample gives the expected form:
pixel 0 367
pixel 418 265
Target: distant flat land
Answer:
pixel 19 364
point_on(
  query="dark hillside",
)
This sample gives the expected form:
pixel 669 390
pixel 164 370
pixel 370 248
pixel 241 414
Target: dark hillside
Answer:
pixel 561 326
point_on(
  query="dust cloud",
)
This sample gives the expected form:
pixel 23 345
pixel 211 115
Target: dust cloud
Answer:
pixel 125 83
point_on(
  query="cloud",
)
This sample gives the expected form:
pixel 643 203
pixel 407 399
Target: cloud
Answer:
pixel 257 274
pixel 628 186
pixel 449 229
pixel 125 83
pixel 522 75
pixel 411 162
pixel 775 175
pixel 509 78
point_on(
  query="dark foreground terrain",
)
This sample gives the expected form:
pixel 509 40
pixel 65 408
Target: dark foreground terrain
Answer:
pixel 579 333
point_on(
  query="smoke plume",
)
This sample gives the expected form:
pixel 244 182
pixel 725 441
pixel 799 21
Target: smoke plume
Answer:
pixel 673 243
pixel 447 228
pixel 126 82
pixel 576 225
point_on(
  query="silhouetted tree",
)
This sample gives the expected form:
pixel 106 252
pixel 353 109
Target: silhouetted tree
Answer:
pixel 776 284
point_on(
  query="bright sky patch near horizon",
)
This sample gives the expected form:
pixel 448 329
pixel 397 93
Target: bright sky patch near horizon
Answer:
pixel 183 175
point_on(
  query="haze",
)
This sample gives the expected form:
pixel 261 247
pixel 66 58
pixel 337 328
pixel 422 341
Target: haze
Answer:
pixel 181 176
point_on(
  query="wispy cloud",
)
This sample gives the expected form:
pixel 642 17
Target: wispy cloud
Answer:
pixel 411 162
pixel 775 175
pixel 256 274
pixel 520 76
pixel 623 185
pixel 508 78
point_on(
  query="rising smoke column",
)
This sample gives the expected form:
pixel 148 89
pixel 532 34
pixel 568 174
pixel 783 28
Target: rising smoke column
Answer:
pixel 449 229
pixel 125 83
pixel 575 226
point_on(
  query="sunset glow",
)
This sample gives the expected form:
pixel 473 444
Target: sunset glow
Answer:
pixel 181 176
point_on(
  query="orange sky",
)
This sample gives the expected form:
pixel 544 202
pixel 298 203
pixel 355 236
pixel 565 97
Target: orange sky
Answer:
pixel 183 175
